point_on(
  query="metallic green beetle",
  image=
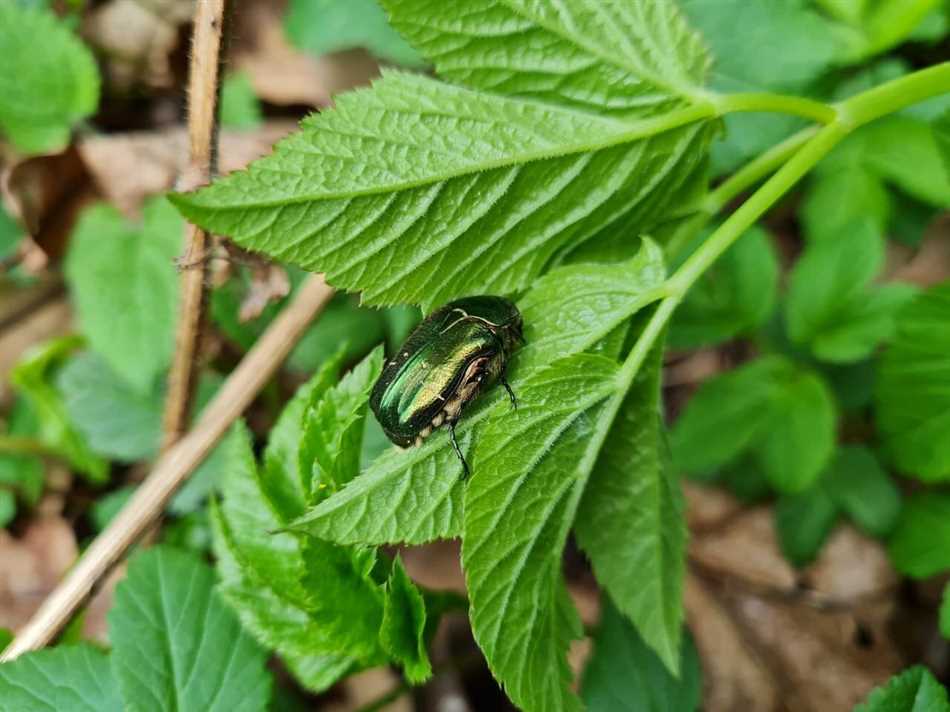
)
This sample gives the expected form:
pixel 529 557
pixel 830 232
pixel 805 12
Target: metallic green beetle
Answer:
pixel 451 357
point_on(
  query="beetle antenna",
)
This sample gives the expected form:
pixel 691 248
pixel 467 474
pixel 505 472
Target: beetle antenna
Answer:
pixel 458 451
pixel 511 393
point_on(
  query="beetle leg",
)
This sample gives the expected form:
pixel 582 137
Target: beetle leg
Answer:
pixel 458 451
pixel 511 393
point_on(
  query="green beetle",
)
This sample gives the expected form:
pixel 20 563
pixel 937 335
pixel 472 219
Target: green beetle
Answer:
pixel 453 355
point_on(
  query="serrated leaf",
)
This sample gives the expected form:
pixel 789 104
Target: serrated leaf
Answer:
pixel 416 191
pixel 630 521
pixel 530 470
pixel 913 388
pixel 625 674
pixel 45 88
pixel 914 690
pixel 735 296
pixel 863 490
pixel 415 496
pixel 404 623
pixel 322 26
pixel 631 58
pixel 32 378
pixel 920 544
pixel 125 287
pixel 831 308
pixel 329 449
pixel 803 522
pixel 77 678
pixel 117 421
pixel 176 645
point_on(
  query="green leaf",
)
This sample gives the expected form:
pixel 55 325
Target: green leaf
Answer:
pixel 734 297
pixel 725 415
pixel 380 193
pixel 45 87
pixel 403 628
pixel 944 613
pixel 920 544
pixel 7 507
pixel 913 388
pixel 624 58
pixel 630 521
pixel 914 690
pixel 6 637
pixel 323 26
pixel 75 678
pixel 800 437
pixel 803 522
pixel 941 129
pixel 22 473
pixel 515 534
pixel 831 307
pixel 863 490
pixel 125 287
pixel 415 495
pixel 32 378
pixel 625 674
pixel 240 108
pixel 333 430
pixel 176 645
pixel 841 197
pixel 11 235
pixel 107 506
pixel 117 421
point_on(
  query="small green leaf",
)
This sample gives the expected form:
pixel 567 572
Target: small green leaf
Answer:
pixel 629 59
pixel 735 296
pixel 404 623
pixel 803 522
pixel 799 439
pixel 515 534
pixel 22 473
pixel 45 87
pixel 372 192
pixel 920 544
pixel 725 415
pixel 107 506
pixel 75 678
pixel 914 690
pixel 631 523
pixel 863 490
pixel 842 196
pixel 322 26
pixel 240 108
pixel 7 507
pixel 831 307
pixel 913 388
pixel 625 674
pixel 176 645
pixel 6 637
pixel 117 421
pixel 32 378
pixel 125 287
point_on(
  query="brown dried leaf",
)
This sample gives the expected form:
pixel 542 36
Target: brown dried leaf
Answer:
pixel 929 264
pixel 269 282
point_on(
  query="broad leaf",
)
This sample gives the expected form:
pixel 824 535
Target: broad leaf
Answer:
pixel 630 521
pixel 863 490
pixel 625 674
pixel 32 378
pixel 176 645
pixel 45 87
pixel 322 26
pixel 620 57
pixel 735 296
pixel 803 522
pixel 913 388
pixel 414 496
pixel 125 287
pixel 914 690
pixel 75 678
pixel 831 308
pixel 920 544
pixel 530 470
pixel 416 191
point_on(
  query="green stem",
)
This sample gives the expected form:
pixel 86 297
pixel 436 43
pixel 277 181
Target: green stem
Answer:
pixel 895 95
pixel 775 103
pixel 754 171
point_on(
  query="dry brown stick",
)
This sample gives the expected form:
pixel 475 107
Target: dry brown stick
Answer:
pixel 203 91
pixel 173 468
